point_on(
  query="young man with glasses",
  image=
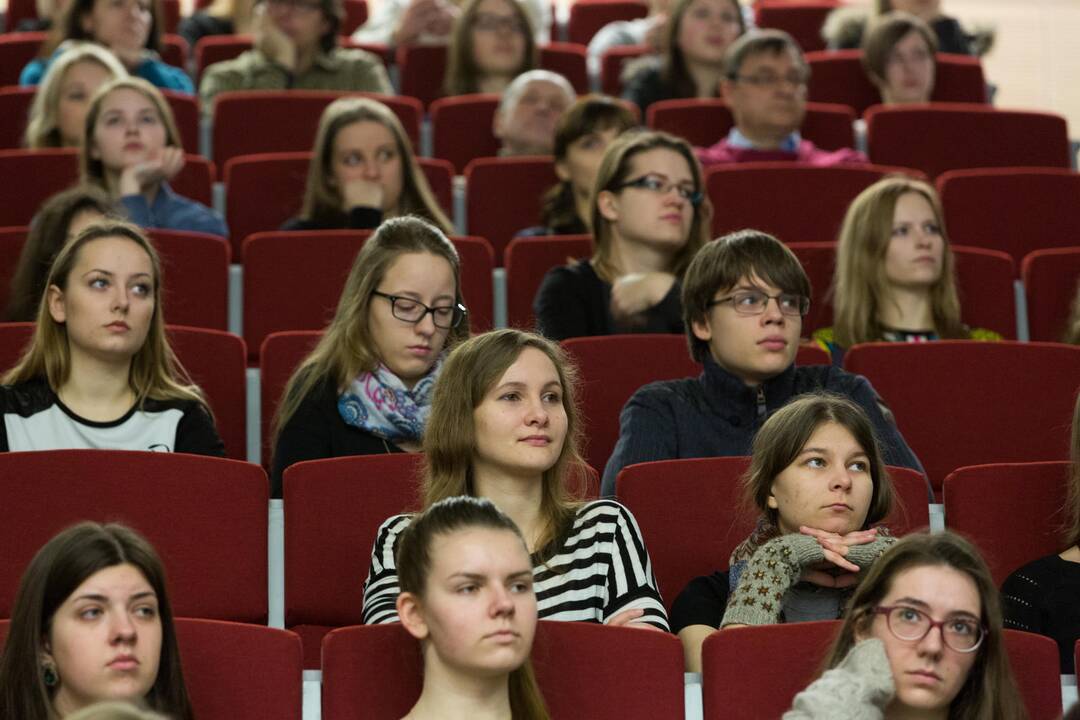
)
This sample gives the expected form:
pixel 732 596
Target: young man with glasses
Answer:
pixel 765 88
pixel 296 48
pixel 743 297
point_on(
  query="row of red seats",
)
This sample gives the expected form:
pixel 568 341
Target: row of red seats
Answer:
pixel 333 508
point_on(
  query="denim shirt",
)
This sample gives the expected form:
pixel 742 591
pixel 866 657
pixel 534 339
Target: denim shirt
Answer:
pixel 170 211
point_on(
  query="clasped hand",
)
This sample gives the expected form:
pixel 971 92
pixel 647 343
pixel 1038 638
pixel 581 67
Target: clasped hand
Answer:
pixel 835 546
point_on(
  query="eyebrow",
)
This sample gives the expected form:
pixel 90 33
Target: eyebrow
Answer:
pixel 97 597
pixel 921 604
pixel 481 576
pixel 112 274
pixel 416 296
pixel 826 451
pixel 517 384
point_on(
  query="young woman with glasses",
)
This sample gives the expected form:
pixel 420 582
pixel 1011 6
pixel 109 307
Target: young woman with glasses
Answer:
pixel 649 218
pixel 922 639
pixel 366 387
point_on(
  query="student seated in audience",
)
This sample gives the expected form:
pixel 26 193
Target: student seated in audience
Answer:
pixel 744 297
pixel 130 29
pixel 296 48
pixel 99 372
pixel 363 170
pixel 528 112
pixel 581 137
pixel 92 622
pixel 1044 595
pixel 895 272
pixel 60 219
pixel 131 149
pixel 845 26
pixel 466 575
pixel 649 218
pixel 401 307
pixel 58 111
pixel 491 44
pixel 765 88
pixel 220 17
pixel 504 426
pixel 818 482
pixel 921 639
pixel 898 56
pixel 430 22
pixel 1072 326
pixel 692 61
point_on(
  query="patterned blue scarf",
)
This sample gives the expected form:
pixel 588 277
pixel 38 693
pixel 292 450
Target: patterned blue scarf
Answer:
pixel 380 404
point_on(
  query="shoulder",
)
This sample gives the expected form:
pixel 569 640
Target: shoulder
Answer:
pixel 246 62
pixel 609 511
pixel 1032 577
pixel 189 408
pixel 26 398
pixel 353 59
pixel 579 274
pixel 663 392
pixel 390 530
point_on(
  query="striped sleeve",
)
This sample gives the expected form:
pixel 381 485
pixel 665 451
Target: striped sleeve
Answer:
pixel 381 588
pixel 631 583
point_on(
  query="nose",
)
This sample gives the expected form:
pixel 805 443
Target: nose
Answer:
pixel 537 413
pixel 121 299
pixel 840 480
pixel 426 325
pixel 122 629
pixel 772 312
pixel 502 604
pixel 933 643
pixel 372 171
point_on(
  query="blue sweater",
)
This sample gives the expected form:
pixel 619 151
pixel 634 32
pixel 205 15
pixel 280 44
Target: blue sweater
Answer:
pixel 718 415
pixel 152 69
pixel 173 212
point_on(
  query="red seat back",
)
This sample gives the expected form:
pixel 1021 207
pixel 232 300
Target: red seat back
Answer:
pixel 1019 197
pixel 581 669
pixel 174 50
pixel 14 337
pixel 280 355
pixel 568 60
pixel 588 16
pixel 16 50
pixel 1051 281
pixel 613 63
pixel 818 260
pixel 984 281
pixel 1011 511
pixel 953 136
pixel 802 20
pixel 218 48
pixel 605 387
pixel 288 119
pixel 705 122
pixel 334 508
pixel 1036 665
pixel 14 112
pixel 217 362
pixel 195 270
pixel 185 110
pixel 755 672
pixel 262 192
pixel 488 178
pixel 461 128
pixel 838 76
pixel 421 71
pixel 974 414
pixel 18 11
pixel 356 14
pixel 206 516
pixel 236 671
pixel 12 240
pixel 527 261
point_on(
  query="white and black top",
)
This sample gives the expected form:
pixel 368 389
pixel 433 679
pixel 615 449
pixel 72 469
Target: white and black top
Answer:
pixel 36 419
pixel 600 569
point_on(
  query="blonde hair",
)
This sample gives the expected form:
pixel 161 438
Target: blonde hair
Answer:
pixel 92 170
pixel 449 443
pixel 239 12
pixel 43 127
pixel 1072 503
pixel 347 349
pixel 155 373
pixel 462 74
pixel 1072 327
pixel 859 284
pixel 323 200
pixel 614 171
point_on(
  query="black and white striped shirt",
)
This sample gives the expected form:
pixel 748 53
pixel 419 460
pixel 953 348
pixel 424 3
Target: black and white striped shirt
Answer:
pixel 601 569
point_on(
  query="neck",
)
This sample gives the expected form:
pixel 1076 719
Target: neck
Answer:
pixel 896 711
pixel 765 140
pixel 706 78
pixel 305 58
pixel 452 695
pixel 907 309
pixel 517 496
pixel 1072 554
pixel 632 256
pixel 97 389
pixel 493 83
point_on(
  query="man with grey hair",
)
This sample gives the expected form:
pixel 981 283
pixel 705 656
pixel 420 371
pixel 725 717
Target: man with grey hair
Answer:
pixel 764 85
pixel 529 110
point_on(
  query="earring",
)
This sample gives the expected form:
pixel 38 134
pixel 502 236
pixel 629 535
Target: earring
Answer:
pixel 48 674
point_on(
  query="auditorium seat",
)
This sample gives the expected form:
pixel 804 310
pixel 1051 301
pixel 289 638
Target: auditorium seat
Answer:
pixel 16 50
pixel 1051 281
pixel 802 19
pixel 421 69
pixel 185 110
pixel 14 338
pixel 613 64
pixel 568 60
pixel 587 17
pixel 211 49
pixel 174 50
pixel 461 128
pixel 356 14
pixel 496 214
pixel 706 122
pixel 1036 665
pixel 527 261
pixel 195 278
pixel 818 260
pixel 192 508
pixel 984 281
pixel 11 245
pixel 281 353
pixel 17 12
pixel 14 112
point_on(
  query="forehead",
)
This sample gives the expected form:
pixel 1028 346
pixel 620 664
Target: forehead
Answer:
pixel 127 99
pixel 780 62
pixel 532 367
pixel 479 550
pixel 537 89
pixel 662 161
pixel 419 271
pixel 115 580
pixel 754 281
pixel 943 588
pixel 495 7
pixel 108 252
pixel 913 203
pixel 81 69
pixel 911 40
pixel 363 132
pixel 715 5
pixel 833 436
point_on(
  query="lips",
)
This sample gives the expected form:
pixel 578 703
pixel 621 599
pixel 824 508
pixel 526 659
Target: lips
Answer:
pixel 537 440
pixel 118 326
pixel 421 350
pixel 928 676
pixel 839 507
pixel 774 343
pixel 124 662
pixel 503 636
pixel 133 146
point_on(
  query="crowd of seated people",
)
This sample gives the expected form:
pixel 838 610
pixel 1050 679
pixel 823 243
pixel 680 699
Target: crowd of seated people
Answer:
pixel 495 416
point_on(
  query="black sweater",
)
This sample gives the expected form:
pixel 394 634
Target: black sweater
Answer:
pixel 1044 597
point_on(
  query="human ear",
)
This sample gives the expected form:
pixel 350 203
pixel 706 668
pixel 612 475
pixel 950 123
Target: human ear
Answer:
pixel 497 125
pixel 412 616
pixel 55 297
pixel 771 501
pixel 608 205
pixel 701 329
pixel 562 171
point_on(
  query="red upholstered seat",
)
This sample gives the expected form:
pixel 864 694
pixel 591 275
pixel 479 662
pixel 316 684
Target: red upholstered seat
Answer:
pixel 185 110
pixel 802 20
pixel 192 508
pixel 195 272
pixel 527 261
pixel 567 59
pixel 461 128
pixel 217 48
pixel 1036 665
pixel 984 280
pixel 975 411
pixel 16 50
pixel 496 214
pixel 1051 280
pixel 280 355
pixel 613 64
pixel 421 70
pixel 14 110
pixel 588 16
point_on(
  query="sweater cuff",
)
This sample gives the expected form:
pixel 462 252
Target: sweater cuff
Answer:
pixel 866 555
pixel 773 569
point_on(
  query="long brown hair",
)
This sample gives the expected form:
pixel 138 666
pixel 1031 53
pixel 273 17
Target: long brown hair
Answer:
pixel 990 692
pixel 154 371
pixel 56 571
pixel 462 75
pixel 1072 504
pixel 470 372
pixel 322 198
pixel 347 349
pixel 69 26
pixel 613 172
pixel 413 560
pixel 859 284
pixel 1072 327
pixel 673 66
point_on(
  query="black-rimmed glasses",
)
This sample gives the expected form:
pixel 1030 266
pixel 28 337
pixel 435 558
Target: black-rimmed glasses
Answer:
pixel 754 302
pixel 658 185
pixel 413 311
pixel 962 634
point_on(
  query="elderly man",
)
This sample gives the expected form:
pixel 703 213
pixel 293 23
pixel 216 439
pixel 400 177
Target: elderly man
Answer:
pixel 529 110
pixel 765 87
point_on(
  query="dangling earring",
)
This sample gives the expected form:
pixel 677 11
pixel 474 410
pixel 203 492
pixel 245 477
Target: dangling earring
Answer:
pixel 48 674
